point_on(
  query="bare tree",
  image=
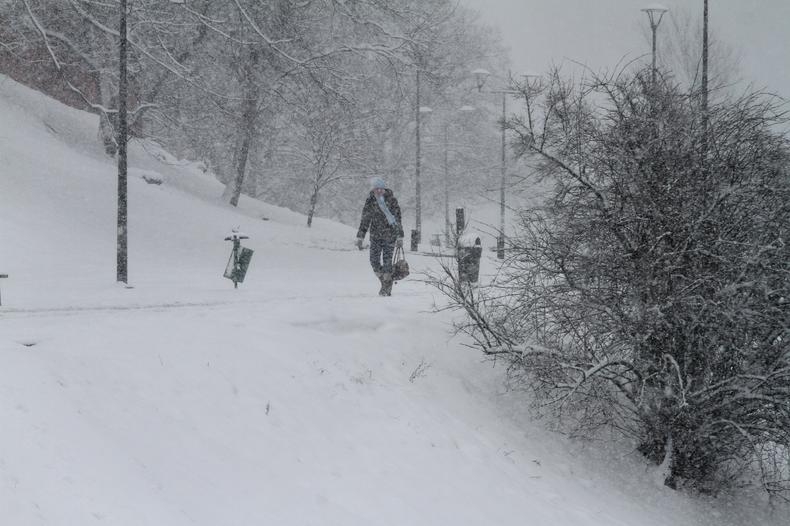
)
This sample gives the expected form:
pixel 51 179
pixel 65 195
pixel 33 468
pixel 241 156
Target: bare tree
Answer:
pixel 217 81
pixel 649 294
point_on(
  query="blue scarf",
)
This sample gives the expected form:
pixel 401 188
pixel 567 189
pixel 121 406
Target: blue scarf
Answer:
pixel 390 218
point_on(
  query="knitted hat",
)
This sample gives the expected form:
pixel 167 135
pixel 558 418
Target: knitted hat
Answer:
pixel 377 182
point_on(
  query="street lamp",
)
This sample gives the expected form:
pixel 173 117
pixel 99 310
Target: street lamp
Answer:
pixel 462 109
pixel 705 116
pixel 416 235
pixel 122 218
pixel 655 12
pixel 481 75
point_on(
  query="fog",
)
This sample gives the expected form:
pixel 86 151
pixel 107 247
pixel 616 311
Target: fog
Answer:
pixel 599 33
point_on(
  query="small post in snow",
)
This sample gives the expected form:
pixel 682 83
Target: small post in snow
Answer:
pixel 2 276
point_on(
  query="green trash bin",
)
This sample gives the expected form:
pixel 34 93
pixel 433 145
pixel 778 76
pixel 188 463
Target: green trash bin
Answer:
pixel 468 253
pixel 236 272
pixel 239 260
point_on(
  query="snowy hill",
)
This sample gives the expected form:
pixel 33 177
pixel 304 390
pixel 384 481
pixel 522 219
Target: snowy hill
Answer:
pixel 300 399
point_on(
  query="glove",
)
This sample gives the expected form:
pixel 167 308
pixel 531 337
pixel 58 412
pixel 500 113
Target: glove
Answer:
pixel 359 243
pixel 399 242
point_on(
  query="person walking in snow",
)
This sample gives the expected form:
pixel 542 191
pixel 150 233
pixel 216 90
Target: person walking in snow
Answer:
pixel 381 216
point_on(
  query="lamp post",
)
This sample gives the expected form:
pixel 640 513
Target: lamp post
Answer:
pixel 500 242
pixel 416 237
pixel 705 117
pixel 481 76
pixel 122 245
pixel 446 184
pixel 419 110
pixel 705 59
pixel 462 109
pixel 655 12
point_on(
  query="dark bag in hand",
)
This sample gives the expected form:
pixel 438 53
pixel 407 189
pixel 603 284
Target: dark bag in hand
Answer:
pixel 400 267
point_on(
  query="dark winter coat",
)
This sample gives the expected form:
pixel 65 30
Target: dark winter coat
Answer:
pixel 373 218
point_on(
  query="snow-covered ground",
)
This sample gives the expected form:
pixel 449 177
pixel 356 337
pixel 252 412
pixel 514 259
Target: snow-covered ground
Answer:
pixel 302 398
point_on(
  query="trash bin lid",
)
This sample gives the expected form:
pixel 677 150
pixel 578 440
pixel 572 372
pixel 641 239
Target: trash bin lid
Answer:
pixel 470 239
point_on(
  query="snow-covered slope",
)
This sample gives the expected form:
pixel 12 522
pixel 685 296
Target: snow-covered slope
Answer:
pixel 300 399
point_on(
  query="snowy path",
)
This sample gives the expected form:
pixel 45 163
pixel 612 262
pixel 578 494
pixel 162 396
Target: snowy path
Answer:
pixel 311 408
pixel 168 406
pixel 300 399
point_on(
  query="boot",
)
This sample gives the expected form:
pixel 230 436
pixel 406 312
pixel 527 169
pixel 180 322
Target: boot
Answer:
pixel 386 284
pixel 380 275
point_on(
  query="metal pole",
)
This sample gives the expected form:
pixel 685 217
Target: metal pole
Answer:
pixel 446 188
pixel 236 246
pixel 460 222
pixel 2 276
pixel 705 87
pixel 501 240
pixel 418 189
pixel 122 244
pixel 654 27
pixel 705 58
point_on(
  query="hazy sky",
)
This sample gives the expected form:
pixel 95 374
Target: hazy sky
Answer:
pixel 600 32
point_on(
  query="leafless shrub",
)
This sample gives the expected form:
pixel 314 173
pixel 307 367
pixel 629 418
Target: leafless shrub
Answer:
pixel 650 293
pixel 419 371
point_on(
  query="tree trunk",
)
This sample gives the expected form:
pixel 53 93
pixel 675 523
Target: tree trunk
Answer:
pixel 313 203
pixel 663 474
pixel 106 130
pixel 241 163
pixel 248 120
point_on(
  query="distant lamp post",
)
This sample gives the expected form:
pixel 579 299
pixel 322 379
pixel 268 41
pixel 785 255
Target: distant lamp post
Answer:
pixel 416 235
pixel 705 117
pixel 481 76
pixel 462 109
pixel 655 12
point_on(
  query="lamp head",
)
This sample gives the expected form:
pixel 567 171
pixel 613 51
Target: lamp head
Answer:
pixel 481 75
pixel 655 13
